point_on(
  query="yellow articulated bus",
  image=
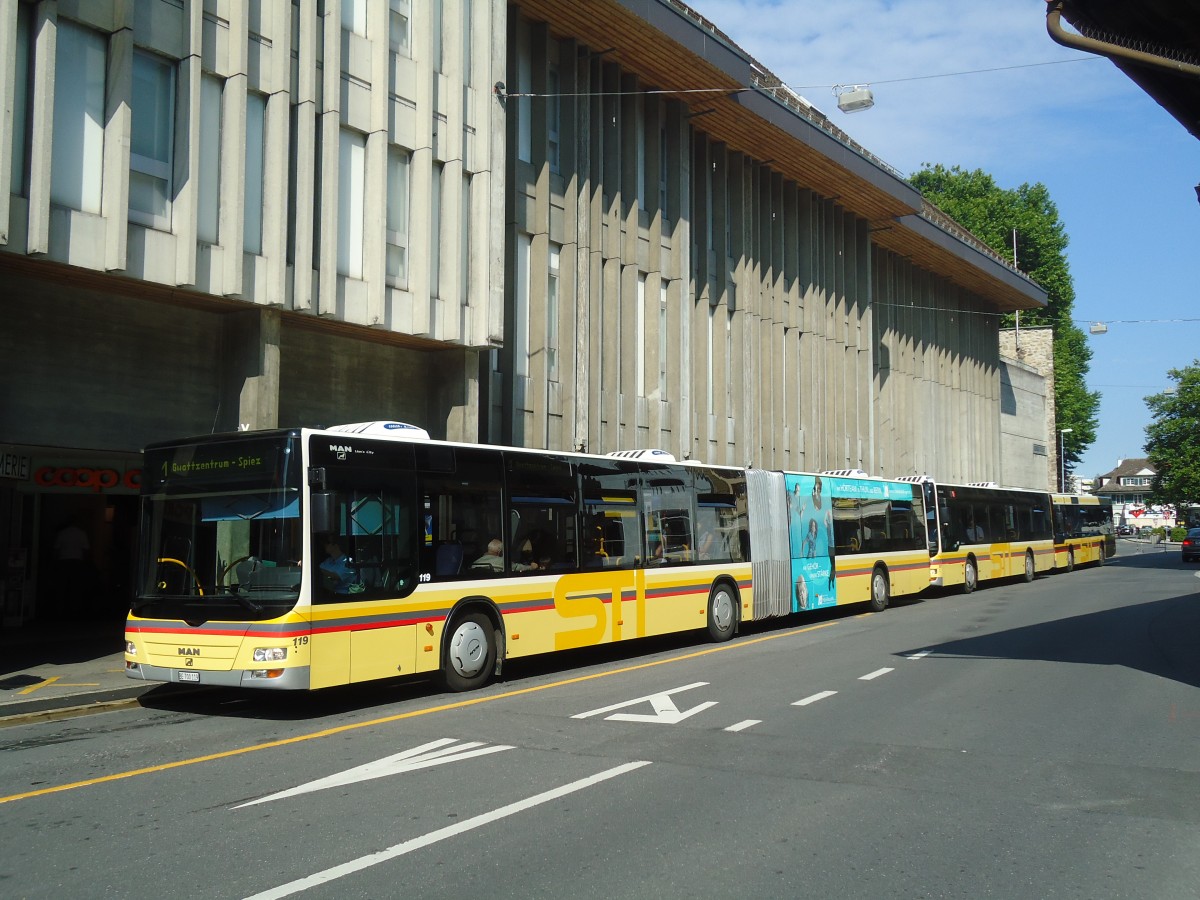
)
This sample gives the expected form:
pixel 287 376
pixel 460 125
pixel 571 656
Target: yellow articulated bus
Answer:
pixel 979 532
pixel 1083 531
pixel 303 559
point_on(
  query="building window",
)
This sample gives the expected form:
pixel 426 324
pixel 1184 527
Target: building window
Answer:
pixel 662 340
pixel 208 195
pixel 256 118
pixel 640 155
pixel 520 339
pixel 151 141
pixel 438 12
pixel 710 384
pixel 553 121
pixel 524 122
pixel 354 16
pixel 399 30
pixel 552 313
pixel 467 67
pixel 640 337
pixel 77 158
pixel 663 170
pixel 399 165
pixel 435 231
pixel 464 255
pixel 18 183
pixel 729 364
pixel 352 159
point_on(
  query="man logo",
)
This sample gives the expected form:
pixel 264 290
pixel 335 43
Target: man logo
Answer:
pixel 189 651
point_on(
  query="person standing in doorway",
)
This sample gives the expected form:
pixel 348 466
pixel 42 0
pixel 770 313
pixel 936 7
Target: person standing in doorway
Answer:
pixel 72 550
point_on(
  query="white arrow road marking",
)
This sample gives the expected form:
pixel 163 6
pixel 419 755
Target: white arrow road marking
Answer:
pixel 665 710
pixel 434 753
pixel 426 840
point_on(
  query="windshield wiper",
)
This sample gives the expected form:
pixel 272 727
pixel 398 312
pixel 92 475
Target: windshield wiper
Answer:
pixel 246 602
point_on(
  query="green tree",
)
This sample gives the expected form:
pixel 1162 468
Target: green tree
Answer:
pixel 992 213
pixel 1173 439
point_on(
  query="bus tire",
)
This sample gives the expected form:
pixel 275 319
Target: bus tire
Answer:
pixel 1103 554
pixel 1030 568
pixel 470 656
pixel 722 612
pixel 970 576
pixel 881 591
pixel 1070 560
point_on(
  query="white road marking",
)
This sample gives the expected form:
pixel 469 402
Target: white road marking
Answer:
pixel 665 710
pixel 435 753
pixel 427 840
pixel 742 726
pixel 814 698
pixel 921 655
pixel 871 676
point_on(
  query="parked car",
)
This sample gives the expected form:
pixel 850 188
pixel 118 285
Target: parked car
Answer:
pixel 1190 548
pixel 1124 530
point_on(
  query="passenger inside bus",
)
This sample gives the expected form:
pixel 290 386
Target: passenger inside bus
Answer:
pixel 493 557
pixel 974 532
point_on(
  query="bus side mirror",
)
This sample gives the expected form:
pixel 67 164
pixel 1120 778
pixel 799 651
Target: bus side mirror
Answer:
pixel 323 511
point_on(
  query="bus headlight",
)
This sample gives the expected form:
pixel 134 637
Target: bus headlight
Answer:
pixel 131 648
pixel 270 654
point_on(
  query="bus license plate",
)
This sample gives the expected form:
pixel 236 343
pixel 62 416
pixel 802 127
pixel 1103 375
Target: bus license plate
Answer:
pixel 189 676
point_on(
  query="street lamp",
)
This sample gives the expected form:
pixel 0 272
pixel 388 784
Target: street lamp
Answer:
pixel 1062 458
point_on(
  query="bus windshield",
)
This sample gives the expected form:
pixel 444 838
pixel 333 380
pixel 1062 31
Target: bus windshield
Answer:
pixel 218 541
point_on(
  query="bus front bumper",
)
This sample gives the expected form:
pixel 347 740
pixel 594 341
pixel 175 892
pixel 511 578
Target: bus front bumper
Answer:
pixel 295 678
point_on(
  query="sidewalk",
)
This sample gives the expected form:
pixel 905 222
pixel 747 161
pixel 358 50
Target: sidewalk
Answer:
pixel 45 667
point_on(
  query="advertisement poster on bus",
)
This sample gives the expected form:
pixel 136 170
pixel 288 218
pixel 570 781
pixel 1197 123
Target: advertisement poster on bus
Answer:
pixel 810 531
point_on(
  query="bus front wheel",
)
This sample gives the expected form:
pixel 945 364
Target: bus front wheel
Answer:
pixel 470 653
pixel 970 576
pixel 1070 560
pixel 1030 571
pixel 880 590
pixel 722 613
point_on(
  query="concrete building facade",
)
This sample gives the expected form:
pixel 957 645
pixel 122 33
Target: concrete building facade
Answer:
pixel 1023 445
pixel 595 225
pixel 1028 412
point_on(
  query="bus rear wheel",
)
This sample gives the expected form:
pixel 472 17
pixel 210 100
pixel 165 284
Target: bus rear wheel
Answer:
pixel 470 653
pixel 880 590
pixel 722 613
pixel 1070 560
pixel 1030 571
pixel 970 576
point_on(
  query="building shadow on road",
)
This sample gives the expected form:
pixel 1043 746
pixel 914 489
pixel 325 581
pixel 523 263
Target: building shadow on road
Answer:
pixel 1158 637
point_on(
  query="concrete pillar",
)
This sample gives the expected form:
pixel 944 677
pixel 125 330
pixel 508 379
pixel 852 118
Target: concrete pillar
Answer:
pixel 250 367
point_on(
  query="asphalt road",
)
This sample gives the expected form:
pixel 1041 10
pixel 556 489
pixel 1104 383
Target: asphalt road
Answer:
pixel 1030 740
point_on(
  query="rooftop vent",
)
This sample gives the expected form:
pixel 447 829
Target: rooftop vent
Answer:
pixel 647 454
pixel 396 430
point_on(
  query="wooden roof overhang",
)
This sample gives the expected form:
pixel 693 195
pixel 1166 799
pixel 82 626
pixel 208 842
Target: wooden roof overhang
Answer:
pixel 669 47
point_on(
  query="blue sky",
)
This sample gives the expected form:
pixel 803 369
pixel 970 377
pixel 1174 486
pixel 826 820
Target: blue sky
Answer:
pixel 1121 171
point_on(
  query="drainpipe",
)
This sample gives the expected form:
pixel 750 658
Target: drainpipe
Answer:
pixel 1102 48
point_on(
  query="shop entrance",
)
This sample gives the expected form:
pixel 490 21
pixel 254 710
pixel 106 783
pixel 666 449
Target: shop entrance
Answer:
pixel 85 556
